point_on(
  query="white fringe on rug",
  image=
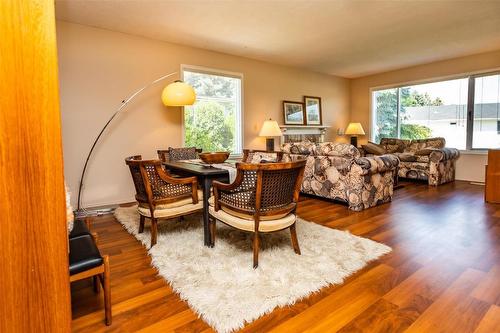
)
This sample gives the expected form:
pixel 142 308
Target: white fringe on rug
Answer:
pixel 220 284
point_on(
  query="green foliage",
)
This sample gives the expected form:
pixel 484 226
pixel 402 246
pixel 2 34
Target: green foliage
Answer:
pixel 211 85
pixel 416 99
pixel 207 127
pixel 414 132
pixel 387 101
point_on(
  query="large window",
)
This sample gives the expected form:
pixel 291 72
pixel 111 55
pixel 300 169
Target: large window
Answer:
pixel 486 129
pixel 214 123
pixel 464 111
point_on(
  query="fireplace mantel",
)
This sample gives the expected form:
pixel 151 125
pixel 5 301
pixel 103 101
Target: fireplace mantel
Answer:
pixel 294 133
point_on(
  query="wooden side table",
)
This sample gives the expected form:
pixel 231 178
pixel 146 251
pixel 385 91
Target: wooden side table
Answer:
pixel 492 179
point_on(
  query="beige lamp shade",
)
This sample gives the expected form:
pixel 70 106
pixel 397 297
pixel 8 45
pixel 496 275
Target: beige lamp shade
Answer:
pixel 355 129
pixel 270 128
pixel 178 93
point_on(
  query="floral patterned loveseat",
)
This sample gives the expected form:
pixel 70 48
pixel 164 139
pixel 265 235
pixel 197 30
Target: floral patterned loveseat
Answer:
pixel 425 159
pixel 336 171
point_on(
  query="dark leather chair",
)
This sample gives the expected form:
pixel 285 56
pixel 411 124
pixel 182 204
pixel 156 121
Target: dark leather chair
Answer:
pixel 86 261
pixel 80 228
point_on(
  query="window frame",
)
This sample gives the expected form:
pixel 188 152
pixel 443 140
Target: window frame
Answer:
pixel 470 103
pixel 218 72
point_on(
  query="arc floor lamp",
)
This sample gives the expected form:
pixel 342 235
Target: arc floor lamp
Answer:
pixel 177 93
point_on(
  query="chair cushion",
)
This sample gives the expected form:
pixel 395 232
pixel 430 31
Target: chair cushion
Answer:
pixel 83 254
pixel 249 225
pixel 79 229
pixel 337 149
pixel 171 211
pixel 211 202
pixel 392 145
pixel 178 203
pixel 250 217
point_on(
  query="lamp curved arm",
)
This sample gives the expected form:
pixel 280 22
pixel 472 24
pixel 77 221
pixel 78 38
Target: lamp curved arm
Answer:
pixel 122 106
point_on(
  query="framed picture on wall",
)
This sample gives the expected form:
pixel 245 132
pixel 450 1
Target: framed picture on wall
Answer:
pixel 312 107
pixel 293 113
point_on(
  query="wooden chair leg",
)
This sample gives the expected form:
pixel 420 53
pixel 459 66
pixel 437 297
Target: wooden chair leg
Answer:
pixel 88 222
pixel 107 291
pixel 96 284
pixel 141 224
pixel 295 241
pixel 255 249
pixel 212 222
pixel 154 231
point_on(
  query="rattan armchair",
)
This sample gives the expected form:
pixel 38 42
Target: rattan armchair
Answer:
pixel 258 156
pixel 263 198
pixel 176 154
pixel 161 196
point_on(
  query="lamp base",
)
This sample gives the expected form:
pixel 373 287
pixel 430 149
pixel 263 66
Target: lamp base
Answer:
pixel 270 144
pixel 354 141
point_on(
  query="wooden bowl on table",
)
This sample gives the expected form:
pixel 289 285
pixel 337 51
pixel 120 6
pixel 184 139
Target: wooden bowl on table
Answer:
pixel 214 158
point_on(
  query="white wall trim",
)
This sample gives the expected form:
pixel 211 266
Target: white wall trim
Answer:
pixel 436 79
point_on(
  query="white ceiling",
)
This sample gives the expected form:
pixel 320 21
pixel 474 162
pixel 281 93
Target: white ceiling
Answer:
pixel 345 38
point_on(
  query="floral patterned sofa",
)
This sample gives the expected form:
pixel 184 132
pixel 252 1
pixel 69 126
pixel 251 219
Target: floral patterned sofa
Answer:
pixel 336 171
pixel 425 159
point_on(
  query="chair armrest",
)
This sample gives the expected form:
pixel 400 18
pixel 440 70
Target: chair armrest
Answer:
pixel 166 176
pixel 193 181
pixel 377 164
pixel 444 154
pixel 218 187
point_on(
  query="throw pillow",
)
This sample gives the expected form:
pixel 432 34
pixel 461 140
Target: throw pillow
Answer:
pixel 373 148
pixel 177 154
pixel 425 151
pixel 263 158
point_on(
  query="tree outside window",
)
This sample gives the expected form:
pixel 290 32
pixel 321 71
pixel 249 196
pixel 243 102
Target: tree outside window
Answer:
pixel 213 123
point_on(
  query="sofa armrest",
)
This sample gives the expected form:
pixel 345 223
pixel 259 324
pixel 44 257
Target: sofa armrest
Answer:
pixel 377 164
pixel 444 154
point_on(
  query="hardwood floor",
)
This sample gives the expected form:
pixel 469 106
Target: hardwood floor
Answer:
pixel 442 276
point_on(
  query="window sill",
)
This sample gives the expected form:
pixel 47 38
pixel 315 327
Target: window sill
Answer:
pixel 474 152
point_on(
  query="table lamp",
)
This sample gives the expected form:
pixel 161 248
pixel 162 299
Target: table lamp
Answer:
pixel 270 129
pixel 354 129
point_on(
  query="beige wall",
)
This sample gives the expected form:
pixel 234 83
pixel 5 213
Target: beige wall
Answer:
pixel 99 68
pixel 470 166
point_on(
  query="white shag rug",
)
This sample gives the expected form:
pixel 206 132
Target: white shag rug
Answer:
pixel 220 284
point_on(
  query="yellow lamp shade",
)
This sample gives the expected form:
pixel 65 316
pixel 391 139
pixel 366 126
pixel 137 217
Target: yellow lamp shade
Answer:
pixel 178 93
pixel 355 129
pixel 270 128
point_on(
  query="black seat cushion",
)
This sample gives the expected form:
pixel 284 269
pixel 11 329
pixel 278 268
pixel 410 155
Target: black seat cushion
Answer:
pixel 79 229
pixel 83 254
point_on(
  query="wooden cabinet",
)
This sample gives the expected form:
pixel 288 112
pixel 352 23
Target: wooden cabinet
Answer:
pixel 492 188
